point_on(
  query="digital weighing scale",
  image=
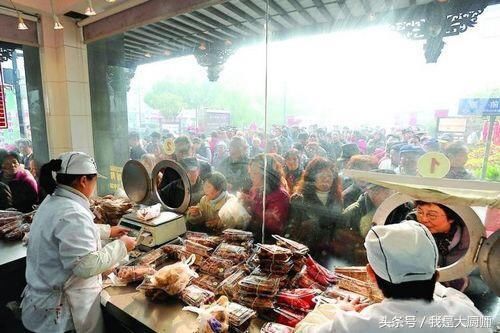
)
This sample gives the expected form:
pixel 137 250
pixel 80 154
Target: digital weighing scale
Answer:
pixel 144 189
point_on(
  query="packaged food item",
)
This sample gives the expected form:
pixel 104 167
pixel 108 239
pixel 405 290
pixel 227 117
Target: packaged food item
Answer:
pixel 259 285
pixel 364 288
pixel 109 210
pixel 299 299
pixel 274 253
pixel 213 318
pixel 298 263
pixel 276 267
pixel 198 260
pixel 149 258
pixel 196 296
pixel 356 272
pixel 235 235
pixel 336 292
pixel 319 273
pixel 295 247
pixel 229 286
pixel 7 216
pixel 276 328
pixel 129 274
pixel 196 248
pixel 204 239
pixel 256 302
pixel 288 317
pixel 18 232
pixel 208 282
pixel 240 316
pixel 236 254
pixel 242 267
pixel 172 279
pixel 216 266
pixel 9 227
pixel 303 280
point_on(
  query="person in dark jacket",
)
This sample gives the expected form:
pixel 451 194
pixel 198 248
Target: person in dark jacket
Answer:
pixel 357 162
pixel 235 166
pixel 316 207
pixel 136 149
pixel 5 197
pixel 293 169
pixel 23 186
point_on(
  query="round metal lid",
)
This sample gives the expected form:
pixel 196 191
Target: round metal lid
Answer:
pixel 177 182
pixel 465 265
pixel 136 181
pixel 489 262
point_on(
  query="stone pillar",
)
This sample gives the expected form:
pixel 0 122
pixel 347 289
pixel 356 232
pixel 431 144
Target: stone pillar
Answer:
pixel 66 87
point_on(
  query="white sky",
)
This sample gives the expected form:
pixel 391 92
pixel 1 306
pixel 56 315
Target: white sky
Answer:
pixel 355 77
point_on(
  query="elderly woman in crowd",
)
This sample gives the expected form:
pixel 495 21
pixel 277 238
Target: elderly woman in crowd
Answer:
pixel 293 169
pixel 316 206
pixel 22 184
pixel 268 179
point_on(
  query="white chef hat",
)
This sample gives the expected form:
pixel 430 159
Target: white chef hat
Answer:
pixel 402 252
pixel 78 163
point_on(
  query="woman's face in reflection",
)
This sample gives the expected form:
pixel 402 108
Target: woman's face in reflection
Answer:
pixel 324 180
pixel 292 162
pixel 255 173
pixel 434 218
pixel 210 191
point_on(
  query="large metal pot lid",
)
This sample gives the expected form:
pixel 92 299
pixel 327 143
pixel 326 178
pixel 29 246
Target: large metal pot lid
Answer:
pixel 465 265
pixel 136 181
pixel 171 186
pixel 489 262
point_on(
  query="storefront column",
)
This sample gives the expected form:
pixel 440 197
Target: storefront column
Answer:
pixel 66 87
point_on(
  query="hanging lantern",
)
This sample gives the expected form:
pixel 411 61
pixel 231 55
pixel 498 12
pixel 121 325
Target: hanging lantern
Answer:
pixel 213 56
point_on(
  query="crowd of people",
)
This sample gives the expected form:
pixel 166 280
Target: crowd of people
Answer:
pixel 293 179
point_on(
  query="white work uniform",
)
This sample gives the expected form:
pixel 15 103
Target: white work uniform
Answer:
pixel 448 314
pixel 63 266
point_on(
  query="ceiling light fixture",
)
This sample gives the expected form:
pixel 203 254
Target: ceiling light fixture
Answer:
pixel 20 22
pixel 57 23
pixel 147 55
pixel 90 9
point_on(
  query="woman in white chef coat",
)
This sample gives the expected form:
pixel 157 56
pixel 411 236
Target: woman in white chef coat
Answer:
pixel 65 258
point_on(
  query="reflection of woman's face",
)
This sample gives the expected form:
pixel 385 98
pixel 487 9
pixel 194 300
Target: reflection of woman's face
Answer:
pixel 210 191
pixel 292 163
pixel 434 218
pixel 256 176
pixel 324 180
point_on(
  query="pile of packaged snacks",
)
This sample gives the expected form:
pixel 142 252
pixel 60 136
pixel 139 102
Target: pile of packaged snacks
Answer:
pixel 288 317
pixel 196 296
pixel 229 286
pixel 18 232
pixel 235 253
pixel 364 288
pixel 149 258
pixel 298 299
pixel 356 272
pixel 208 282
pixel 276 328
pixel 258 292
pixel 239 317
pixel 203 239
pixel 196 248
pixel 299 251
pixel 128 274
pixel 319 273
pixel 216 266
pixel 303 280
pixel 238 237
pixel 274 259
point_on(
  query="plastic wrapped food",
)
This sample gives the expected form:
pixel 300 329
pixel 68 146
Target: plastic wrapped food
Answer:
pixel 196 296
pixel 255 302
pixel 295 247
pixel 204 239
pixel 243 267
pixel 360 287
pixel 274 253
pixel 213 318
pixel 173 279
pixel 288 317
pixel 150 257
pixel 229 286
pixel 356 272
pixel 239 316
pixel 299 299
pixel 259 285
pixel 336 292
pixel 198 249
pixel 129 274
pixel 276 328
pixel 319 273
pixel 236 254
pixel 109 210
pixel 198 260
pixel 18 232
pixel 303 280
pixel 216 266
pixel 275 267
pixel 208 282
pixel 7 216
pixel 172 250
pixel 235 235
pixel 9 227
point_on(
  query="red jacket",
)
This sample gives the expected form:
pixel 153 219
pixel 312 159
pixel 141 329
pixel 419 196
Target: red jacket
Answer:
pixel 276 212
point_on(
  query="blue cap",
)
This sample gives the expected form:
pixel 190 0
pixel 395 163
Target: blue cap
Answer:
pixel 411 149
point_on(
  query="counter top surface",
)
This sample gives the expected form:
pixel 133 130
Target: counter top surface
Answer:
pixel 11 251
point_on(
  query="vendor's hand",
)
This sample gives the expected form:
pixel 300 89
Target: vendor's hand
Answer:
pixel 118 231
pixel 130 242
pixel 194 211
pixel 354 304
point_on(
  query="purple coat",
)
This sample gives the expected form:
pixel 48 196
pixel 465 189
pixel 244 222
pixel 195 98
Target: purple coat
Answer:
pixel 24 190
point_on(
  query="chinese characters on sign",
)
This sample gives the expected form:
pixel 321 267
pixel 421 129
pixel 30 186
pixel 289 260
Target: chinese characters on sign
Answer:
pixel 115 177
pixel 3 107
pixel 479 107
pixel 437 321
